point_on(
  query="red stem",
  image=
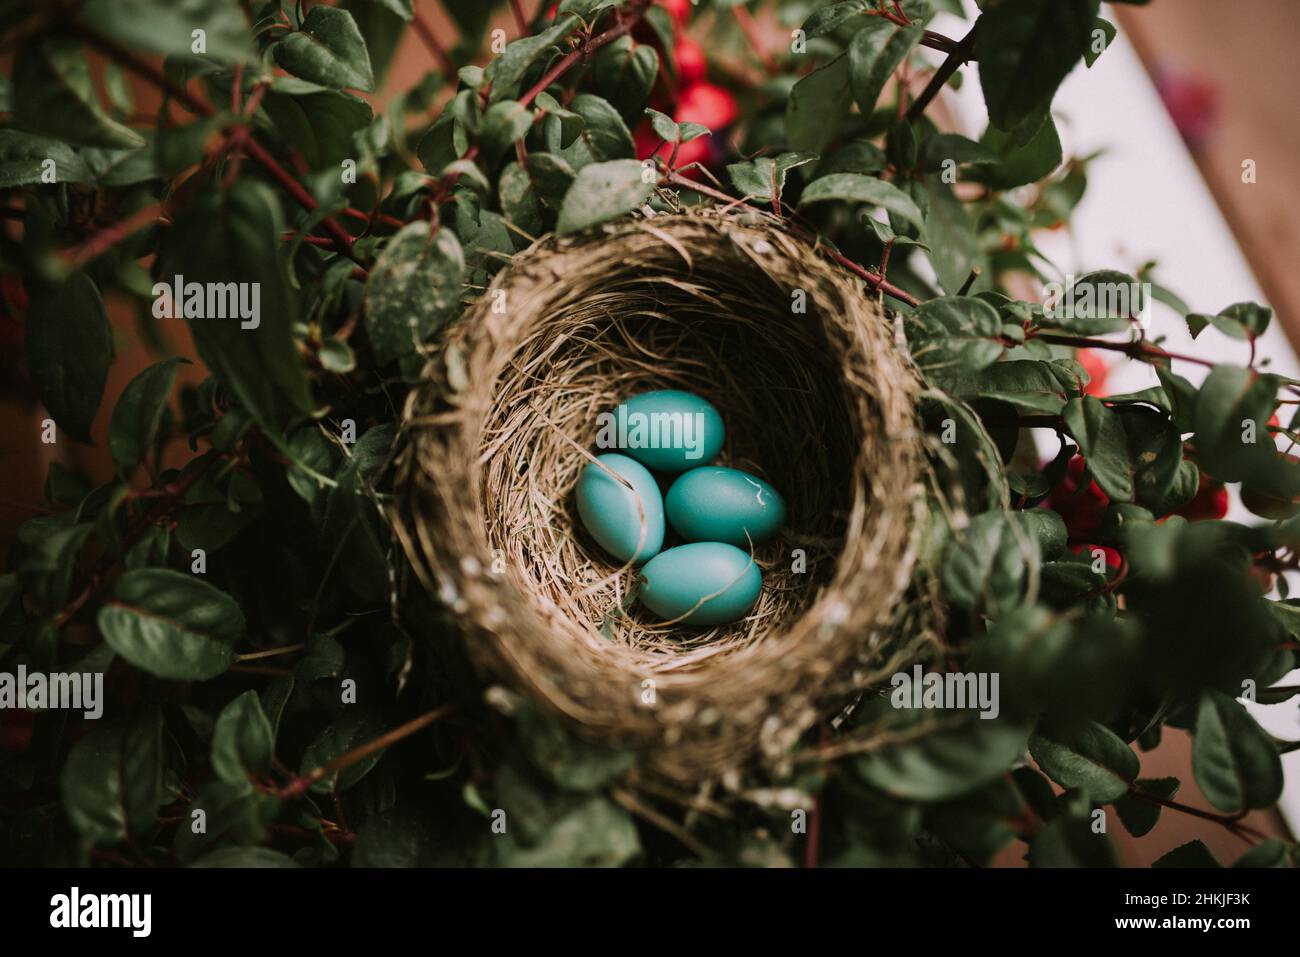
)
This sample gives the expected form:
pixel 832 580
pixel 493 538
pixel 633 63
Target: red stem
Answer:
pixel 630 18
pixel 750 29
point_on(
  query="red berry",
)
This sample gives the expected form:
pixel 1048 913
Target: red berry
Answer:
pixel 1210 501
pixel 679 10
pixel 691 62
pixel 707 104
pixel 1097 370
pixel 1266 505
pixel 1080 506
pixel 1113 558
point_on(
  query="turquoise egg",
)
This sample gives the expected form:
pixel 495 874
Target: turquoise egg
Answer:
pixel 676 581
pixel 716 504
pixel 617 516
pixel 668 430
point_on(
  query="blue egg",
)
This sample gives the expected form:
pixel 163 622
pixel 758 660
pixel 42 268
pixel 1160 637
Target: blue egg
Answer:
pixel 716 504
pixel 667 430
pixel 628 524
pixel 704 583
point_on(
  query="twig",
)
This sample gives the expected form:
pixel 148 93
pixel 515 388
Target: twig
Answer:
pixel 672 178
pixel 77 256
pixel 300 784
pixel 147 70
pixel 956 57
pixel 630 18
pixel 750 29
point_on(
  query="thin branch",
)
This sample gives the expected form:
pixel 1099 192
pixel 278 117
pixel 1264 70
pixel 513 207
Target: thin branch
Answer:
pixel 672 178
pixel 300 784
pixel 956 57
pixel 630 18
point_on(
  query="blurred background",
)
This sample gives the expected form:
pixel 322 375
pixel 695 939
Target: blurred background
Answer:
pixel 1191 95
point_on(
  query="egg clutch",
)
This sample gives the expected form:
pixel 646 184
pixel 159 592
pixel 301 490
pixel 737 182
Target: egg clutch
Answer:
pixel 720 512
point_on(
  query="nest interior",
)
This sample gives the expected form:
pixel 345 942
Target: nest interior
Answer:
pixel 816 397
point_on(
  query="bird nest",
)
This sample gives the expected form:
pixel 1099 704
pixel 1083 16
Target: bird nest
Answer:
pixel 818 398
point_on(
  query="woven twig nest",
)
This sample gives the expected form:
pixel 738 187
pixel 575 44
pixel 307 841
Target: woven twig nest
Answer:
pixel 802 363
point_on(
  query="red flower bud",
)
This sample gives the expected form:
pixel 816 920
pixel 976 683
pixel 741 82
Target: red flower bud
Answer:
pixel 691 62
pixel 707 104
pixel 1210 501
pixel 1097 370
pixel 1079 505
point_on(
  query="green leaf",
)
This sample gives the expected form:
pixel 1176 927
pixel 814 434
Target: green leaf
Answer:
pixel 232 812
pixel 503 124
pixel 69 347
pixel 50 547
pixel 111 169
pixel 1269 852
pixel 985 564
pixel 243 857
pixel 138 412
pixel 624 72
pixel 593 833
pixel 350 730
pixel 1242 320
pixel 954 335
pixel 1103 442
pixel 508 70
pixel 817 107
pixel 233 235
pixel 1235 762
pixel 54 95
pixel 874 54
pixel 413 289
pixel 1230 398
pixel 23 155
pixel 567 760
pixel 171 625
pixel 320 122
pixel 958 149
pixel 764 178
pixel 855 188
pixel 167 26
pixel 604 191
pixel 1025 48
pixel 604 136
pixel 1068 840
pixel 1139 816
pixel 112 780
pixel 242 741
pixel 1029 384
pixel 571 123
pixel 1193 855
pixel 946 763
pixel 329 50
pixel 1098 302
pixel 1017 162
pixel 1102 35
pixel 830 18
pixel 1086 756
